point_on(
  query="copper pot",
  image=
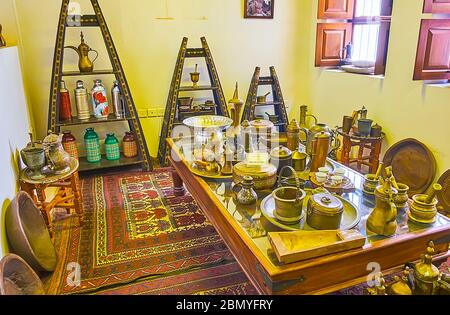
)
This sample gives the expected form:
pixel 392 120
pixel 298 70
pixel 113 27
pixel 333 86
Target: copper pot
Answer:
pixel 17 277
pixel 324 212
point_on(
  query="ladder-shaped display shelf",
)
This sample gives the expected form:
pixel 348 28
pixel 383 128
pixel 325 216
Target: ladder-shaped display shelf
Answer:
pixel 97 20
pixel 278 101
pixel 171 115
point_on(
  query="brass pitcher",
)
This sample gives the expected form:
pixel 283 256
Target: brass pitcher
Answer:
pixel 83 50
pixel 382 220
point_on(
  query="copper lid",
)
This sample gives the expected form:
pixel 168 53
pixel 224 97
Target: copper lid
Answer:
pixel 293 126
pixel 261 124
pixel 280 152
pixel 327 203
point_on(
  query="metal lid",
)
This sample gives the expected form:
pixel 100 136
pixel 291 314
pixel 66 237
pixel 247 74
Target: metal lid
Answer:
pixel 280 152
pixel 327 203
pixel 262 124
pixel 323 135
pixel 297 155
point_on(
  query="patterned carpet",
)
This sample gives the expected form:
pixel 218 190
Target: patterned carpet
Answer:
pixel 138 238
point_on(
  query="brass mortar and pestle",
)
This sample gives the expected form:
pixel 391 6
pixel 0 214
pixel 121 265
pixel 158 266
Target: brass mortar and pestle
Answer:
pixel 424 207
pixel 402 197
pixel 195 76
pixel 371 181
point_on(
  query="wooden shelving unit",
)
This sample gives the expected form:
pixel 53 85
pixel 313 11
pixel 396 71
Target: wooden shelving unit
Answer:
pixel 96 20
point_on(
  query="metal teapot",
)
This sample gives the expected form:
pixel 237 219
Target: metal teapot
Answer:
pixel 315 130
pixel 57 158
pixel 83 50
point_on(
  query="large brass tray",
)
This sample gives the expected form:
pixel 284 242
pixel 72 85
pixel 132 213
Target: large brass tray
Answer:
pixel 350 217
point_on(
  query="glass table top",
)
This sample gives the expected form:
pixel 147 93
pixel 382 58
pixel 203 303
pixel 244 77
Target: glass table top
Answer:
pixel 255 224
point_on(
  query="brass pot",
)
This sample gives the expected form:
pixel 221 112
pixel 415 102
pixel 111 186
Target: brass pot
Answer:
pixel 281 157
pixel 401 199
pixel 264 175
pixel 324 212
pixel 371 183
pixel 423 212
pixel 288 204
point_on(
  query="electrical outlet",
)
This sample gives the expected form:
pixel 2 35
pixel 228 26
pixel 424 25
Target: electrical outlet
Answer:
pixel 155 112
pixel 142 113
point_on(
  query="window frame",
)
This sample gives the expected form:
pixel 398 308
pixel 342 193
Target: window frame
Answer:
pixel 384 20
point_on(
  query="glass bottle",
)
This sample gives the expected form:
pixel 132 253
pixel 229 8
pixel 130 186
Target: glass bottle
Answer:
pixel 70 144
pixel 92 143
pixel 99 100
pixel 129 145
pixel 112 147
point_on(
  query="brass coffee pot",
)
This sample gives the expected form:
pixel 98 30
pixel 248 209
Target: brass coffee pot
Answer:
pixel 426 274
pixel 83 50
pixel 382 220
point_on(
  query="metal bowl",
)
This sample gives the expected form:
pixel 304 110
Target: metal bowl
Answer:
pixel 208 122
pixel 17 277
pixel 28 234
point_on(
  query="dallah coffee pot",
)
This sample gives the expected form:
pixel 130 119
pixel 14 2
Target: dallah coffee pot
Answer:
pixel 83 50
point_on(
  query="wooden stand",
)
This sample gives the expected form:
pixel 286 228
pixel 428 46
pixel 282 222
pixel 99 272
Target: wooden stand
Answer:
pixel 277 103
pixel 131 116
pixel 68 195
pixel 170 118
pixel 373 145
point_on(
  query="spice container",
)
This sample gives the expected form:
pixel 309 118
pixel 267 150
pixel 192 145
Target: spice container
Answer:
pixel 281 157
pixel 245 194
pixel 293 135
pixel 129 145
pixel 92 144
pixel 70 144
pixel 324 212
pixel 112 147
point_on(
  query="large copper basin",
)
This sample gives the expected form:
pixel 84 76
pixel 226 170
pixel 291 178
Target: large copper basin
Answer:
pixel 17 277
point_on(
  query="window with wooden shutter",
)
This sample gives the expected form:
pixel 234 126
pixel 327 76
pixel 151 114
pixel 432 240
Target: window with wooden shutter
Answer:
pixel 336 9
pixel 433 51
pixel 436 6
pixel 365 24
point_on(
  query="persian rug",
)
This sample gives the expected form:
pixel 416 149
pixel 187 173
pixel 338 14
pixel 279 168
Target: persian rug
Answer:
pixel 139 238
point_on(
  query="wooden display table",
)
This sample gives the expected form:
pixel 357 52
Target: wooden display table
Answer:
pixel 372 144
pixel 245 233
pixel 68 195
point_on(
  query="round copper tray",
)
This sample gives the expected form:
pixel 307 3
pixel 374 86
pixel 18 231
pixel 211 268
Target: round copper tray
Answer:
pixel 444 195
pixel 17 277
pixel 350 216
pixel 413 164
pixel 28 234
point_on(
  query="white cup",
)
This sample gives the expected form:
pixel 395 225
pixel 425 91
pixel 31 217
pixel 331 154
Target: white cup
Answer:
pixel 324 170
pixel 339 172
pixel 321 177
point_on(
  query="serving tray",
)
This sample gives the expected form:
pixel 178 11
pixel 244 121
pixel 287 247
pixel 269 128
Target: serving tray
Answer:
pixel 350 216
pixel 413 164
pixel 444 195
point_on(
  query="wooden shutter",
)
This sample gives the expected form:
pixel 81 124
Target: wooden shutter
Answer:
pixel 433 51
pixel 336 9
pixel 331 41
pixel 382 49
pixel 436 6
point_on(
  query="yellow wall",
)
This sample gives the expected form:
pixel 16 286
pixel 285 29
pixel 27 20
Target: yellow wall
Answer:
pixel 404 108
pixel 148 47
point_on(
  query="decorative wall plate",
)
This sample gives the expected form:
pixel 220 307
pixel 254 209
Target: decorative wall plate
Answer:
pixel 444 195
pixel 413 164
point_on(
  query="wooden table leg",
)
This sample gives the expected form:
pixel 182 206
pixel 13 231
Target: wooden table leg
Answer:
pixel 77 197
pixel 346 148
pixel 375 156
pixel 178 187
pixel 362 145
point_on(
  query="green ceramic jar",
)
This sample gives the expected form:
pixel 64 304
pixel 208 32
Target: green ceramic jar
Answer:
pixel 112 147
pixel 92 144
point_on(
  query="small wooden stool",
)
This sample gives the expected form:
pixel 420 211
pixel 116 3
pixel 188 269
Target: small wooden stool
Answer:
pixel 371 144
pixel 68 194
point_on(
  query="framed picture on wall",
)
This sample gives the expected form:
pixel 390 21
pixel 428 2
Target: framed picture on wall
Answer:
pixel 258 9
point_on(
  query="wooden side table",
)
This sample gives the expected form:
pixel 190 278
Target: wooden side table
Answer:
pixel 68 195
pixel 370 144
